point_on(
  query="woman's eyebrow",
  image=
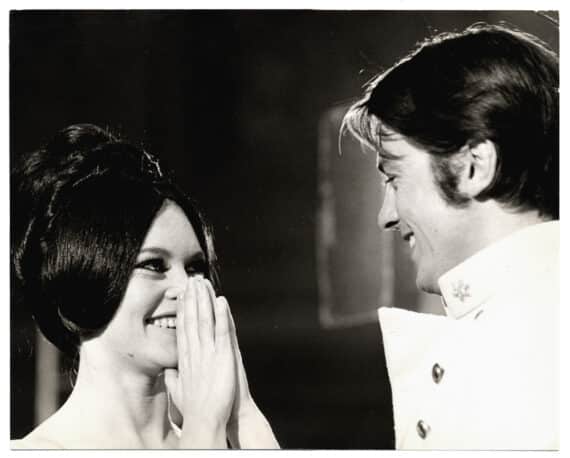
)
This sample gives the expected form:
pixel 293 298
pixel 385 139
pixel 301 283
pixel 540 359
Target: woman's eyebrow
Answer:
pixel 196 256
pixel 155 250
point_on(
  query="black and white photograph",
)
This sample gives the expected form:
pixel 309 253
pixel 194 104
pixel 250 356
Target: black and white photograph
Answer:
pixel 284 229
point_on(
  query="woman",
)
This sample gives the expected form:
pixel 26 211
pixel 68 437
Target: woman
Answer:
pixel 119 268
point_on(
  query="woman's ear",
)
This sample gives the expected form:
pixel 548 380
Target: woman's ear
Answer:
pixel 480 165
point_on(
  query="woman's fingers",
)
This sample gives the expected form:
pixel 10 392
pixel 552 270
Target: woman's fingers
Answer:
pixel 180 327
pixel 210 290
pixel 209 383
pixel 197 319
pixel 205 313
pixel 222 329
pixel 187 339
pixel 233 333
pixel 222 316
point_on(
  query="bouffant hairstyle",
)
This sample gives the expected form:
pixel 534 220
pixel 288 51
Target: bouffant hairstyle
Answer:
pixel 455 89
pixel 81 207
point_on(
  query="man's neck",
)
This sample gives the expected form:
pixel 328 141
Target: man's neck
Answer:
pixel 491 222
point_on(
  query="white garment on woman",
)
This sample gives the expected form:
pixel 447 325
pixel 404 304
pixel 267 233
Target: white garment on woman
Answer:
pixel 486 376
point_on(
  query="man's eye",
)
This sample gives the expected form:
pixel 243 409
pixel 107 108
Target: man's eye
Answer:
pixel 154 265
pixel 391 181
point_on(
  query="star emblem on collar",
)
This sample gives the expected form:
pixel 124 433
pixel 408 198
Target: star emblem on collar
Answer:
pixel 461 290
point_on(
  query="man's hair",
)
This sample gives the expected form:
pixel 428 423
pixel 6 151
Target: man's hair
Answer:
pixel 81 208
pixel 456 89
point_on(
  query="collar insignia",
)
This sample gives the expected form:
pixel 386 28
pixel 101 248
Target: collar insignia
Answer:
pixel 461 290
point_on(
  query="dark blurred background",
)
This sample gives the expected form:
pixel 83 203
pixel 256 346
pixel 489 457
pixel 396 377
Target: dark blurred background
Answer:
pixel 232 101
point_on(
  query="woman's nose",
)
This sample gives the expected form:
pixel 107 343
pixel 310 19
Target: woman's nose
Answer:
pixel 388 218
pixel 175 293
pixel 177 281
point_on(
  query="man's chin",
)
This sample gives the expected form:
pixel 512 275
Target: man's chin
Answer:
pixel 427 284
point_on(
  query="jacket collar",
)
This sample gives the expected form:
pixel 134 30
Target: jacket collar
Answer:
pixel 468 285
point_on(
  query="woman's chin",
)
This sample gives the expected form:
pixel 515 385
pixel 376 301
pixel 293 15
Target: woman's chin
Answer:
pixel 165 360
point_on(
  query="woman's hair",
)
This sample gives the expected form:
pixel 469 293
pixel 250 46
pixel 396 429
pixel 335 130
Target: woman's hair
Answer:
pixel 81 208
pixel 456 89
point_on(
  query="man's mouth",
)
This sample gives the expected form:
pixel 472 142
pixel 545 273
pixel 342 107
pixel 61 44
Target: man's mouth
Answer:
pixel 410 238
pixel 164 321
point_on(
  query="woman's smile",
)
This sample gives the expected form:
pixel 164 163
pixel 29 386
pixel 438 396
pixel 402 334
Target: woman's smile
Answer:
pixel 164 321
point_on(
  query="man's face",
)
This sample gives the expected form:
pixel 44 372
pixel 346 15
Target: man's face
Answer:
pixel 413 205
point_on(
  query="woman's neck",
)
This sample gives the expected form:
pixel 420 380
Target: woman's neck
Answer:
pixel 111 396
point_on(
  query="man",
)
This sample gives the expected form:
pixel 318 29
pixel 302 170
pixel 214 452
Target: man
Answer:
pixel 466 131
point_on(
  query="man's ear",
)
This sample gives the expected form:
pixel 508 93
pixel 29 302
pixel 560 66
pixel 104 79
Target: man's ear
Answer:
pixel 480 165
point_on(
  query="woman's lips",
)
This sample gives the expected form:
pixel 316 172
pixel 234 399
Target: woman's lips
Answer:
pixel 163 322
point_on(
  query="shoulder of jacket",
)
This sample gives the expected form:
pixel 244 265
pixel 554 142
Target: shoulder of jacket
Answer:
pixel 34 442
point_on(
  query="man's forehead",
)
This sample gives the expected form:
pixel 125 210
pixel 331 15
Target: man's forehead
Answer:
pixel 388 153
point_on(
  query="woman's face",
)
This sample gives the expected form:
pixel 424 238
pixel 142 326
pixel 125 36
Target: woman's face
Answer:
pixel 143 330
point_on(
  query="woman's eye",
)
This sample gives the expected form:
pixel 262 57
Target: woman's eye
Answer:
pixel 197 267
pixel 153 265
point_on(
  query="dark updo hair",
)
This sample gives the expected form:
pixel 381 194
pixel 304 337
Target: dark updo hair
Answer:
pixel 485 83
pixel 81 208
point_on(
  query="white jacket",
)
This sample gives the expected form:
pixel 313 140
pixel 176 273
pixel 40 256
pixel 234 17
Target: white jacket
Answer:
pixel 485 376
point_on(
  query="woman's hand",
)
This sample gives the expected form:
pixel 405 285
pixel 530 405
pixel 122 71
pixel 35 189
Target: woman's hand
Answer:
pixel 203 388
pixel 247 427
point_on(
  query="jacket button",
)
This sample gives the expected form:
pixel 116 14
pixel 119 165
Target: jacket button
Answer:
pixel 437 373
pixel 423 429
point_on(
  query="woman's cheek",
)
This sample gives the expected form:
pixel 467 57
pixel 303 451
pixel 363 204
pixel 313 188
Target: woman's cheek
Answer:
pixel 142 289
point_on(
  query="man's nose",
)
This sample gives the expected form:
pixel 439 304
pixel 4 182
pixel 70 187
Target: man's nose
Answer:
pixel 388 218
